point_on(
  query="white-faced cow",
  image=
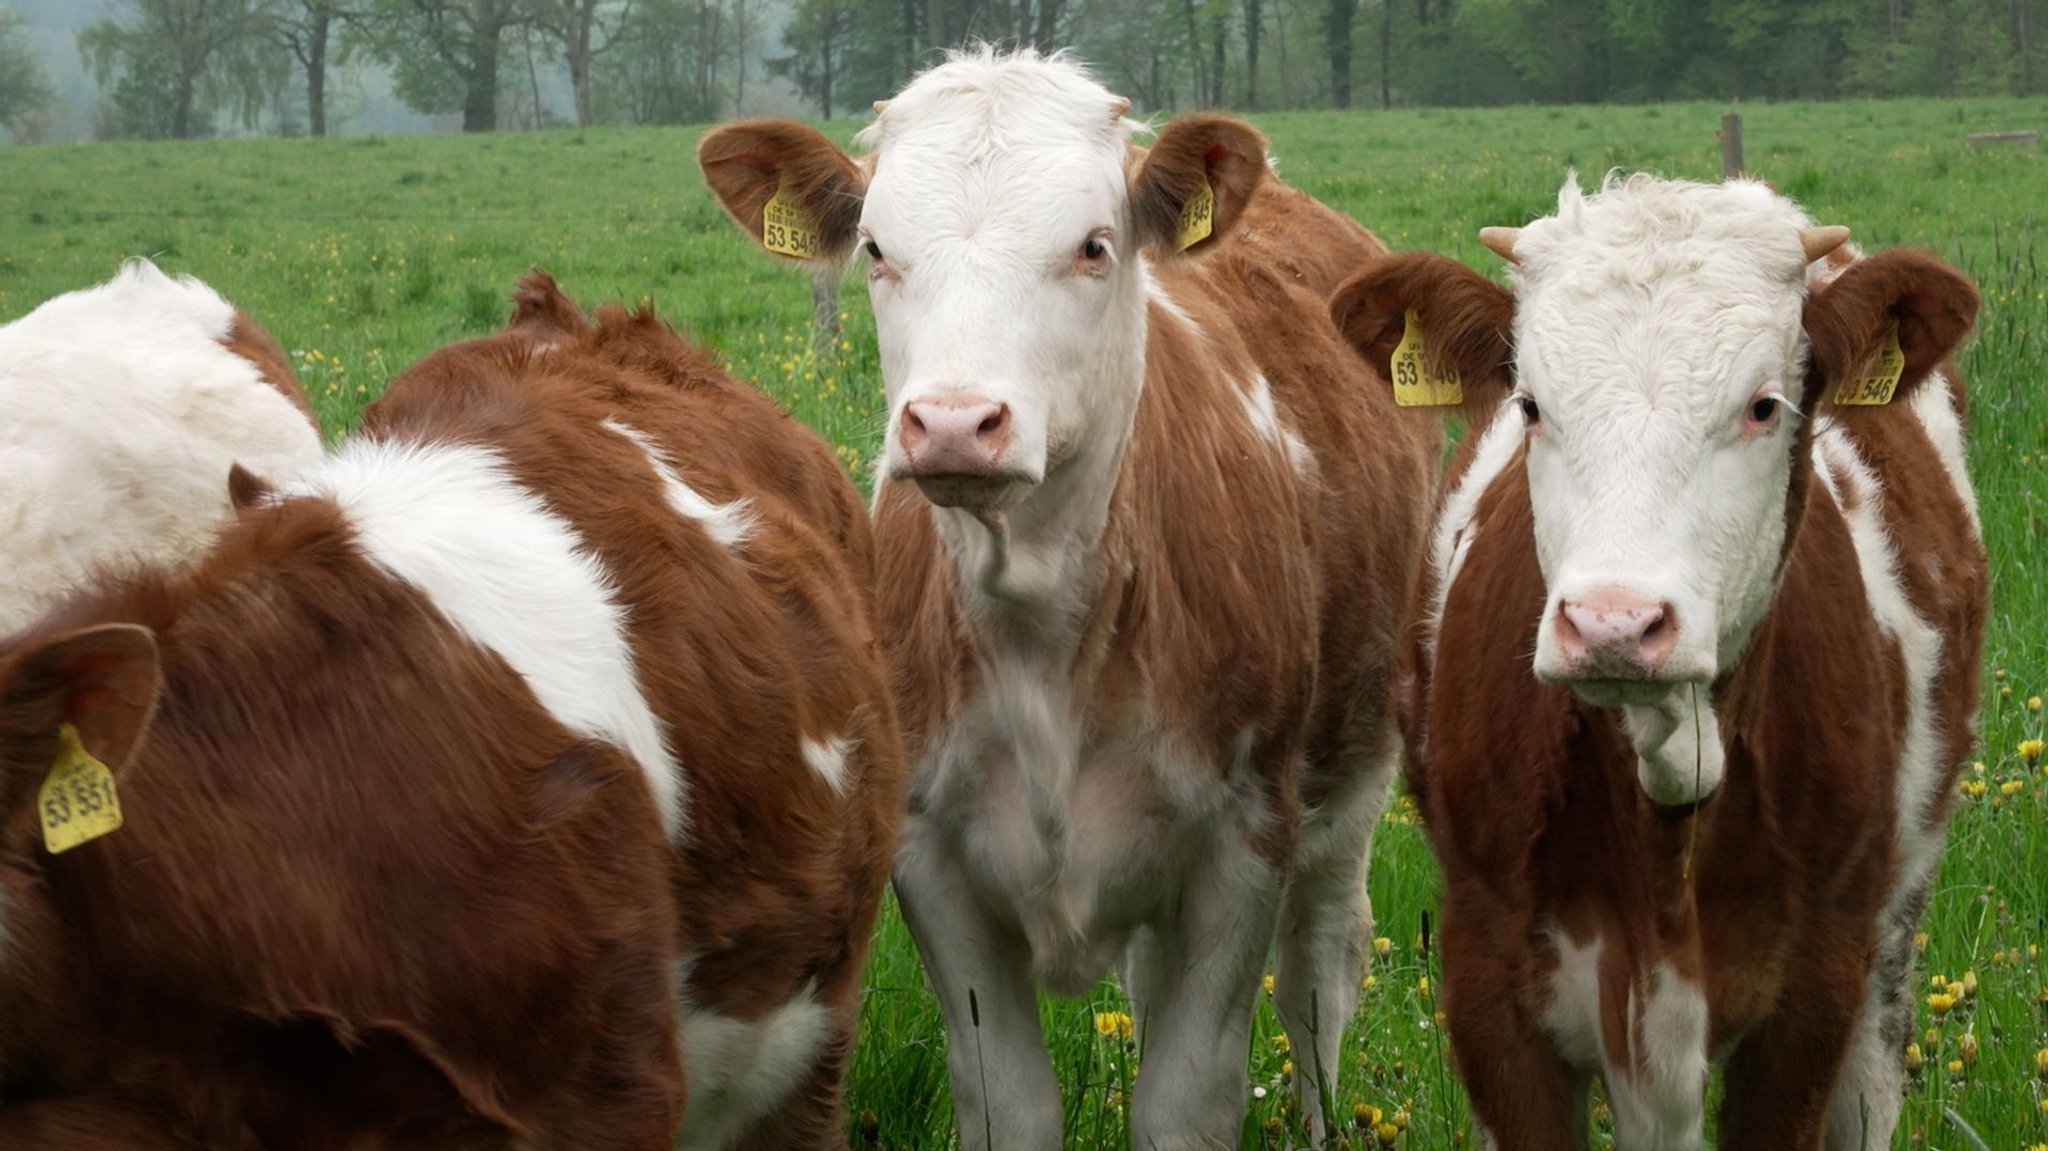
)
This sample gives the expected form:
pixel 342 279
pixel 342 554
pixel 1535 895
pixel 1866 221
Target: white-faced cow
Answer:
pixel 549 698
pixel 1695 660
pixel 126 404
pixel 1146 528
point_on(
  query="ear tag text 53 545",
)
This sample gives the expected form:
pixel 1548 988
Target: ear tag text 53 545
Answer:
pixel 77 800
pixel 1197 217
pixel 1418 383
pixel 787 227
pixel 1874 385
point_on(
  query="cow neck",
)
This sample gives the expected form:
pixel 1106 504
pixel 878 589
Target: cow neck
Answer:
pixel 1035 571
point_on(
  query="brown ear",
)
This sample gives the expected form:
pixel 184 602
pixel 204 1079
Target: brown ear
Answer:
pixel 246 489
pixel 1935 306
pixel 102 680
pixel 1469 318
pixel 1229 154
pixel 541 307
pixel 747 161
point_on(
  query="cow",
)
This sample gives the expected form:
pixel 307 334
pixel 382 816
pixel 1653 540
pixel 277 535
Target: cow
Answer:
pixel 1693 664
pixel 127 403
pixel 525 775
pixel 1146 530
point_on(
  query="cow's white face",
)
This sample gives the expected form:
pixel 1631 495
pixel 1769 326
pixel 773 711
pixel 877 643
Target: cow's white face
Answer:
pixel 1660 362
pixel 1008 294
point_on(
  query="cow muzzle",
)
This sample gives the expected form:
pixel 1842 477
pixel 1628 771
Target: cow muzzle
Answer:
pixel 957 447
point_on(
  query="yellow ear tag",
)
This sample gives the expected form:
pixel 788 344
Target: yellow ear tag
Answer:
pixel 1880 377
pixel 1416 385
pixel 77 800
pixel 787 228
pixel 1197 217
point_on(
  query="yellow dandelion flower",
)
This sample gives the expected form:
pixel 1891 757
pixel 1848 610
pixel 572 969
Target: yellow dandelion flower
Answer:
pixel 2012 787
pixel 1382 946
pixel 1940 1002
pixel 1932 1038
pixel 1282 1044
pixel 1914 1060
pixel 1365 1115
pixel 2005 692
pixel 2030 749
pixel 1938 982
pixel 1966 1049
pixel 1267 983
pixel 1976 788
pixel 2044 1106
pixel 2033 703
pixel 1113 1024
pixel 1955 1067
pixel 1969 984
pixel 1287 1069
pixel 1386 1133
pixel 2041 1063
pixel 1422 987
pixel 1399 1118
pixel 1369 981
pixel 1603 1117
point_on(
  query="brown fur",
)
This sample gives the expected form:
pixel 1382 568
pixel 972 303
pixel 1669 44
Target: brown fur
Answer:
pixel 1227 153
pixel 741 655
pixel 1768 893
pixel 250 341
pixel 746 161
pixel 368 893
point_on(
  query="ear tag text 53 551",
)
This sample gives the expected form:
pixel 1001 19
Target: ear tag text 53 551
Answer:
pixel 1197 217
pixel 77 800
pixel 1418 383
pixel 1879 378
pixel 787 227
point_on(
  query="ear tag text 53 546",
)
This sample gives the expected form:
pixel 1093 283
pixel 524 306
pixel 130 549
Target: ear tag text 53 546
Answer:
pixel 77 800
pixel 1418 383
pixel 1197 217
pixel 1874 385
pixel 787 228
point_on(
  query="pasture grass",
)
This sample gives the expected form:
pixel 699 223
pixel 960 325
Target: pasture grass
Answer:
pixel 363 253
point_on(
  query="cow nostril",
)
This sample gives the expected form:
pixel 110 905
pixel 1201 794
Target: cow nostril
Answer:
pixel 1656 627
pixel 911 421
pixel 991 425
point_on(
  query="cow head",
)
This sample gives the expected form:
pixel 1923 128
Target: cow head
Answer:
pixel 1000 213
pixel 1668 356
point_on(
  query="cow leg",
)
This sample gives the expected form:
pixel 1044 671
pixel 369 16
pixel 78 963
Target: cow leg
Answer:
pixel 1325 921
pixel 1524 1096
pixel 1200 995
pixel 1004 1095
pixel 1778 1085
pixel 1871 1089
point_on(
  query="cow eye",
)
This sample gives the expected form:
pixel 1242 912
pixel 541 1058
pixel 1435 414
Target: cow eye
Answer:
pixel 1531 415
pixel 1761 411
pixel 1093 249
pixel 874 251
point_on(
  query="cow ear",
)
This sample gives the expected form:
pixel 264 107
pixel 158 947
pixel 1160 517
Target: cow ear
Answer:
pixel 817 187
pixel 540 307
pixel 102 680
pixel 1194 181
pixel 1466 321
pixel 1930 305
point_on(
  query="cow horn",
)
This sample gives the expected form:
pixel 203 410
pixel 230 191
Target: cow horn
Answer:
pixel 1818 242
pixel 1502 241
pixel 881 106
pixel 1118 107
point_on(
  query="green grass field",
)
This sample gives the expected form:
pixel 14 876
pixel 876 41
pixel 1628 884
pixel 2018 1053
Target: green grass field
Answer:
pixel 361 254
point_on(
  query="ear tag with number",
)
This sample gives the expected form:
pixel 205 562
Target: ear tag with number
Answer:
pixel 1879 378
pixel 77 800
pixel 787 227
pixel 1416 383
pixel 1197 217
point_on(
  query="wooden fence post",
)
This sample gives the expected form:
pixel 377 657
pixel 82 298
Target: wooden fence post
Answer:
pixel 825 311
pixel 1731 145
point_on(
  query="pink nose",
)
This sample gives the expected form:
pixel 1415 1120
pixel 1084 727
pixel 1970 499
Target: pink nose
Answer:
pixel 954 435
pixel 1610 634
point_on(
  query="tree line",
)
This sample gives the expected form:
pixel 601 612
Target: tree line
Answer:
pixel 183 68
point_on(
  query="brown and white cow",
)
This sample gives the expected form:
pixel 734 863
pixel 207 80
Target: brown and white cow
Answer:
pixel 1146 531
pixel 1694 660
pixel 547 699
pixel 126 403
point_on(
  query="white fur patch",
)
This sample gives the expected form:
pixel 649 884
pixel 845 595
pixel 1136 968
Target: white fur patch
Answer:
pixel 827 757
pixel 1265 420
pixel 739 1070
pixel 727 523
pixel 1935 407
pixel 124 413
pixel 1452 535
pixel 515 577
pixel 1662 1106
pixel 1573 1016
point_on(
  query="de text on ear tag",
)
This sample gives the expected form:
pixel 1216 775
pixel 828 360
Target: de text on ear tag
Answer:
pixel 1416 383
pixel 77 801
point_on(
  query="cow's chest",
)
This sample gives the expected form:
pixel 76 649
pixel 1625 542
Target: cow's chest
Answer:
pixel 1072 822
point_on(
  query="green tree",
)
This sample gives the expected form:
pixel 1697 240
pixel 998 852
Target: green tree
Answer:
pixel 308 30
pixel 171 66
pixel 24 87
pixel 445 55
pixel 586 30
